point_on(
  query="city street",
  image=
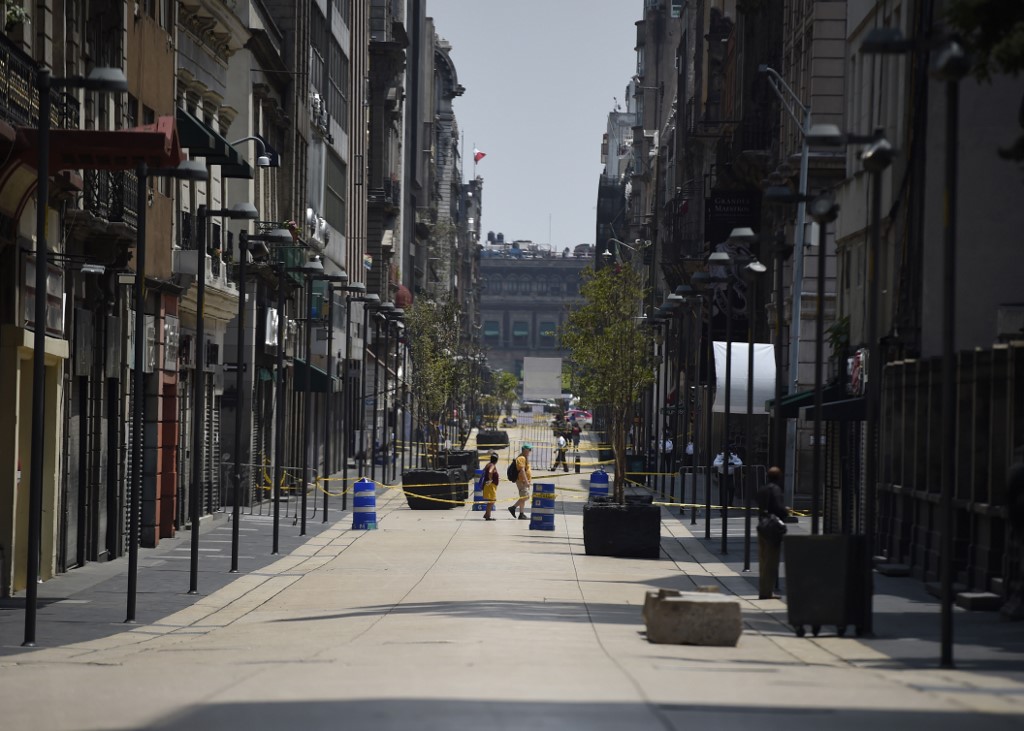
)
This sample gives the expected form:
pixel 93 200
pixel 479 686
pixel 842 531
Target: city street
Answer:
pixel 441 620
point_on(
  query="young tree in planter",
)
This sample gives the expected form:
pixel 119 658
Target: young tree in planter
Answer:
pixel 612 352
pixel 433 335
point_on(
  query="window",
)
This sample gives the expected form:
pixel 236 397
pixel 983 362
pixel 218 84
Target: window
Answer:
pixel 520 334
pixel 492 332
pixel 548 334
pixel 334 193
pixel 337 82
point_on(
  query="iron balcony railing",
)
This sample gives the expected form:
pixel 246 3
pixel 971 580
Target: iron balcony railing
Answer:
pixel 19 100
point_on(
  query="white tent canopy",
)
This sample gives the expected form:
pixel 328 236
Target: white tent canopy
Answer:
pixel 764 377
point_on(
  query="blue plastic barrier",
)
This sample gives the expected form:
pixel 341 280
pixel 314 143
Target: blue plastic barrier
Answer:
pixel 598 484
pixel 364 506
pixel 479 505
pixel 542 510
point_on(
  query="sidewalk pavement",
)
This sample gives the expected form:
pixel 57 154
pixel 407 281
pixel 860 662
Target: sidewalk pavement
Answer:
pixel 441 620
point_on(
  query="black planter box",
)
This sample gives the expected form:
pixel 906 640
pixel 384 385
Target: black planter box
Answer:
pixel 461 459
pixel 487 441
pixel 623 531
pixel 446 486
pixel 825 581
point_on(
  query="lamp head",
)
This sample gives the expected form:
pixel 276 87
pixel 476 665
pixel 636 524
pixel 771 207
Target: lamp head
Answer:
pixel 719 258
pixel 243 211
pixel 823 208
pixel 104 78
pixel 754 266
pixel 372 299
pixel 742 234
pixel 825 135
pixel 950 62
pixel 356 288
pixel 762 68
pixel 313 266
pixel 877 156
pixel 263 161
pixel 185 170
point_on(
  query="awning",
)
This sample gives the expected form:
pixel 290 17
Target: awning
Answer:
pixel 851 409
pixel 520 329
pixel 790 406
pixel 89 149
pixel 763 379
pixel 491 329
pixel 321 383
pixel 203 141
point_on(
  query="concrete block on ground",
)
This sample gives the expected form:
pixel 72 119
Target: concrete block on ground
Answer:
pixel 694 618
pixel 652 597
pixel 979 601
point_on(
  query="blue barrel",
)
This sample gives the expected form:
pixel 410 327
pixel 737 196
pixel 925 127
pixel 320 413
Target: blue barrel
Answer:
pixel 478 493
pixel 598 484
pixel 364 506
pixel 542 510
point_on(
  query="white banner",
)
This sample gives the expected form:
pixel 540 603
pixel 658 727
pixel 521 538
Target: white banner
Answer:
pixel 764 377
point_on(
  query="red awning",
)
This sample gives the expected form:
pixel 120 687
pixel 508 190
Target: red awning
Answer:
pixel 74 149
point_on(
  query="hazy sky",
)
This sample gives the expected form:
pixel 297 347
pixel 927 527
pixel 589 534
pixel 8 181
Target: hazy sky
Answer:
pixel 540 78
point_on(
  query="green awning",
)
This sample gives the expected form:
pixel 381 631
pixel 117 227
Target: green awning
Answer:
pixel 491 329
pixel 321 383
pixel 790 405
pixel 520 329
pixel 203 141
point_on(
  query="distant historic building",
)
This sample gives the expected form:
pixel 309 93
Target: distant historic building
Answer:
pixel 523 304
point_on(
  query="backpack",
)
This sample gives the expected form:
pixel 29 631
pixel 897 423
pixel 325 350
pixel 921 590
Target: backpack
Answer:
pixel 513 471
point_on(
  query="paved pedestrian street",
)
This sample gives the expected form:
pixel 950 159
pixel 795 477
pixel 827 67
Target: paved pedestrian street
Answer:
pixel 441 620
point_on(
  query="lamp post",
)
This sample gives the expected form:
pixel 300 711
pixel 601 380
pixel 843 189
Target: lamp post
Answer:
pixel 823 210
pixel 949 64
pixel 99 79
pixel 278 409
pixel 396 318
pixel 722 259
pixel 256 246
pixel 373 303
pixel 702 282
pixel 801 114
pixel 752 270
pixel 346 394
pixel 187 170
pixel 310 271
pixel 341 279
pixel 382 309
pixel 239 211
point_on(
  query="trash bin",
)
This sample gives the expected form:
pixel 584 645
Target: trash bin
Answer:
pixel 825 582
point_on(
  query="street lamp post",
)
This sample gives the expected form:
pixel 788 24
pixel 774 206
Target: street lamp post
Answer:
pixel 722 259
pixel 373 302
pixel 949 64
pixel 702 282
pixel 311 271
pixel 341 279
pixel 242 404
pixel 823 211
pixel 801 114
pixel 346 394
pixel 187 170
pixel 99 79
pixel 238 211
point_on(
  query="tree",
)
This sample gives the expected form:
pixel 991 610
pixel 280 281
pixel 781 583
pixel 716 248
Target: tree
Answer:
pixel 432 327
pixel 612 352
pixel 505 385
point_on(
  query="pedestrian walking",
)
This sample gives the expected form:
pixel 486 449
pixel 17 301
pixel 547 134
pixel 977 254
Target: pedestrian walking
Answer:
pixel 560 448
pixel 575 435
pixel 771 527
pixel 524 481
pixel 490 479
